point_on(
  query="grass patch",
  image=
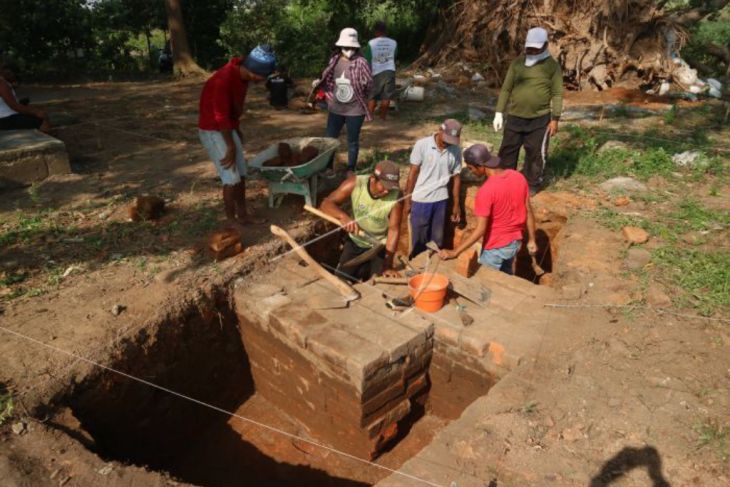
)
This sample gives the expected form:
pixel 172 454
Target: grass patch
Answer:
pixel 577 153
pixel 704 277
pixel 25 229
pixel 712 435
pixel 6 406
pixel 616 221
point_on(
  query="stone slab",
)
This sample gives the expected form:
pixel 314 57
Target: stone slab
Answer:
pixel 30 156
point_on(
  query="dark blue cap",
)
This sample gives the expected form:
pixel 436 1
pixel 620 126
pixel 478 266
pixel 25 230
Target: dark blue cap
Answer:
pixel 261 60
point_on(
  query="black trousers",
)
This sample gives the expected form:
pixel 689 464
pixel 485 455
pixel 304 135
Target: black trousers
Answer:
pixel 20 121
pixel 361 272
pixel 532 133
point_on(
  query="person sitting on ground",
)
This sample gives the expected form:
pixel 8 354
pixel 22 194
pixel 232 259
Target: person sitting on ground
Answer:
pixel 435 165
pixel 502 207
pixel 376 208
pixel 221 106
pixel 381 52
pixel 347 82
pixel 15 115
pixel 278 84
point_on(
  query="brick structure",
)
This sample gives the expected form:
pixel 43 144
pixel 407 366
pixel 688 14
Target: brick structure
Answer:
pixel 349 376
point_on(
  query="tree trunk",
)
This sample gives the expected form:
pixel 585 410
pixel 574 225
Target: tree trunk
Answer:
pixel 598 43
pixel 183 62
pixel 150 61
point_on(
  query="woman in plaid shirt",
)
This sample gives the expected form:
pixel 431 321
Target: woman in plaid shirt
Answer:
pixel 347 82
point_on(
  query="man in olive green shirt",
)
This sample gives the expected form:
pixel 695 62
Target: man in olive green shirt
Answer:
pixel 532 95
pixel 376 208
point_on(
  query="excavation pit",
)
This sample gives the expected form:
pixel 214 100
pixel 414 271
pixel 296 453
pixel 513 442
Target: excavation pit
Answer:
pixel 548 228
pixel 235 364
pixel 362 379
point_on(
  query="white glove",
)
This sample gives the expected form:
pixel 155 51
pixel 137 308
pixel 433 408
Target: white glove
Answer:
pixel 315 83
pixel 498 122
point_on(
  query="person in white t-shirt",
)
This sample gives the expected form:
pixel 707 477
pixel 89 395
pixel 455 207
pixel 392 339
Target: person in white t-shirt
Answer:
pixel 13 114
pixel 381 52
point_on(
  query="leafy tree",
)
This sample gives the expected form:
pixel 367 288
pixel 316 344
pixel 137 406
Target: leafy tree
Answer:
pixel 303 32
pixel 45 38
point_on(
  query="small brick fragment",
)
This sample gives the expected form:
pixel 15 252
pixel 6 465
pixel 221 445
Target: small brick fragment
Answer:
pixel 622 201
pixel 635 235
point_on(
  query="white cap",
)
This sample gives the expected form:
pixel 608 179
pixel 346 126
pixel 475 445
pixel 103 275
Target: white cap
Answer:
pixel 348 38
pixel 536 37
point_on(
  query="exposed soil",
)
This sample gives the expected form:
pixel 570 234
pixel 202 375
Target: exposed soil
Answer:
pixel 77 256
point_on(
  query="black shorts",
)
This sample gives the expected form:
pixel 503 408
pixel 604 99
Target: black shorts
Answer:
pixel 20 121
pixel 361 272
pixel 383 86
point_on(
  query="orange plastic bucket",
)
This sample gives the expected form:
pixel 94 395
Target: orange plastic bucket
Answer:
pixel 428 291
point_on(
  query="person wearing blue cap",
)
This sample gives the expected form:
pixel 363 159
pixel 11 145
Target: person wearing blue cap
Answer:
pixel 221 107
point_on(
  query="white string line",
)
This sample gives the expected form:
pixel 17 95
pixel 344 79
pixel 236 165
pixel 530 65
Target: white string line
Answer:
pixel 220 410
pixel 631 306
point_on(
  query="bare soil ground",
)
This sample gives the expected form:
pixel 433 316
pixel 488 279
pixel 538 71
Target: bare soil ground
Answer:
pixel 68 254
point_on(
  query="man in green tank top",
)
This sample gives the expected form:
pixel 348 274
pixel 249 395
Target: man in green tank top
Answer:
pixel 376 209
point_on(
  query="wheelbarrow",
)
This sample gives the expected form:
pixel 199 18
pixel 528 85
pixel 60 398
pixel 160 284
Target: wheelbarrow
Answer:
pixel 301 179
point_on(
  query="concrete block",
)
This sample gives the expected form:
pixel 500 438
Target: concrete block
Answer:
pixel 30 156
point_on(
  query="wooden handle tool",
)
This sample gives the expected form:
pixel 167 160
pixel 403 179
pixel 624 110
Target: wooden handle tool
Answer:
pixel 347 291
pixel 331 219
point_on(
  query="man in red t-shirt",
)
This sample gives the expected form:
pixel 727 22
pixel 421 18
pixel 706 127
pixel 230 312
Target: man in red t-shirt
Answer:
pixel 221 107
pixel 502 207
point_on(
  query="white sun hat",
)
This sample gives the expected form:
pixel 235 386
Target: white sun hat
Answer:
pixel 348 38
pixel 536 37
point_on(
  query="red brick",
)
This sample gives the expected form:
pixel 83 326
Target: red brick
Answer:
pixel 459 234
pixel 466 263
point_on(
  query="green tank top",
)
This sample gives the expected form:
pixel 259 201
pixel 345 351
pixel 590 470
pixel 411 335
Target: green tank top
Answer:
pixel 371 213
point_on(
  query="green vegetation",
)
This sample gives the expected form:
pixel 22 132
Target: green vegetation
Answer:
pixel 303 32
pixel 99 38
pixel 68 38
pixel 530 407
pixel 702 275
pixel 713 435
pixel 6 406
pixel 577 151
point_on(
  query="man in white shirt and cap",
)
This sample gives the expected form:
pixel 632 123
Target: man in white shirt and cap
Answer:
pixel 532 96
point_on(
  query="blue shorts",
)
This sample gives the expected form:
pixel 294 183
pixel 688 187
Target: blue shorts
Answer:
pixel 216 147
pixel 501 258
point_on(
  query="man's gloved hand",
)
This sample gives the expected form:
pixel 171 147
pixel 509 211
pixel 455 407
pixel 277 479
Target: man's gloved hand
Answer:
pixel 498 122
pixel 315 83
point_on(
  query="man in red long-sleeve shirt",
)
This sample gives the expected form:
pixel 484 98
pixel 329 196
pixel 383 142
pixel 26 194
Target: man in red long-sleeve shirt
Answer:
pixel 221 107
